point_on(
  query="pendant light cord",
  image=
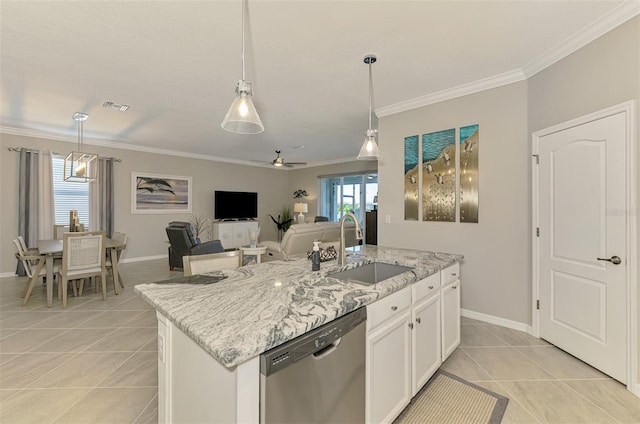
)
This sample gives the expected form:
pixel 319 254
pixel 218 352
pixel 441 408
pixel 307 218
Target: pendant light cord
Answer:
pixel 243 13
pixel 370 94
pixel 80 131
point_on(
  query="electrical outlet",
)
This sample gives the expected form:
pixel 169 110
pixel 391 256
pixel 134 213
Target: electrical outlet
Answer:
pixel 161 348
pixel 387 219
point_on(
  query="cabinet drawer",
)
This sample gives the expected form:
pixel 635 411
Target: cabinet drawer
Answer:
pixel 425 287
pixel 450 274
pixel 387 308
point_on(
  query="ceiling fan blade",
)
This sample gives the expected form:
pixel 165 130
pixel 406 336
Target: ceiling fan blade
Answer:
pixel 261 161
pixel 296 163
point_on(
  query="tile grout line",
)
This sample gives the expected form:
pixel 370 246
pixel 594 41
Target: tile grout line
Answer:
pixel 559 380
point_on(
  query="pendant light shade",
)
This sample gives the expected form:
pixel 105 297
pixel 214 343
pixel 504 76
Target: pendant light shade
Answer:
pixel 242 117
pixel 80 167
pixel 369 149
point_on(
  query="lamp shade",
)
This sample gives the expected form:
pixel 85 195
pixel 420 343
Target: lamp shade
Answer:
pixel 301 207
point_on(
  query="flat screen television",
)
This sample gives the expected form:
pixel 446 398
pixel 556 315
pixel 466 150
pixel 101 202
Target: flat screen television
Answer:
pixel 235 205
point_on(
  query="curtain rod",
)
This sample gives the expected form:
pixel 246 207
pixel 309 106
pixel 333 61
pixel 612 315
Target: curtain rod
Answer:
pixel 18 149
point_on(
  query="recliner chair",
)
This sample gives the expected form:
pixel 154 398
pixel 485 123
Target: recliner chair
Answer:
pixel 183 242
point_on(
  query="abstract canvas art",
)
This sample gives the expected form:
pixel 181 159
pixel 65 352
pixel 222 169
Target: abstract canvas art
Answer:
pixel 156 193
pixel 469 146
pixel 411 177
pixel 439 176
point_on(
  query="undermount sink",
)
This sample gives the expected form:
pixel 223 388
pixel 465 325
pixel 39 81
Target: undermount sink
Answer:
pixel 370 273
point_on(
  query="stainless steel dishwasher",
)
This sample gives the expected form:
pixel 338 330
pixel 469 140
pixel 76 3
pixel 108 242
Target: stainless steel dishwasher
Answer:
pixel 317 377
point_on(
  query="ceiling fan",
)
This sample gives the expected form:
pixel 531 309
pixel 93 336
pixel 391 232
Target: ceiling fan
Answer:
pixel 278 161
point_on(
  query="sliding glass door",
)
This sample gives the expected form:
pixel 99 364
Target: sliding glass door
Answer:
pixel 348 193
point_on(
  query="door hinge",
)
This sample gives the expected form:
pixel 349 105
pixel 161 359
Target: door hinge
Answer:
pixel 537 159
pixel 537 304
pixel 537 231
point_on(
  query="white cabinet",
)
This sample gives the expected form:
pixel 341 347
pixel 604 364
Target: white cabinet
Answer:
pixel 450 304
pixel 233 234
pixel 388 365
pixel 409 334
pixel 425 340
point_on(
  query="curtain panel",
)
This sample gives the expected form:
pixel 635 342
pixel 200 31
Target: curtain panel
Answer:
pixel 35 198
pixel 101 198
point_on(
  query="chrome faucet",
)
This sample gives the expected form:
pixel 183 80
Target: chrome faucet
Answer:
pixel 343 253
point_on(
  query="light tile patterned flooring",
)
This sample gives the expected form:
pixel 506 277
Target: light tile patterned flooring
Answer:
pixel 96 363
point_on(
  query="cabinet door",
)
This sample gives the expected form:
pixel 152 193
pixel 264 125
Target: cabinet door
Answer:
pixel 389 369
pixel 241 232
pixel 223 231
pixel 425 342
pixel 450 304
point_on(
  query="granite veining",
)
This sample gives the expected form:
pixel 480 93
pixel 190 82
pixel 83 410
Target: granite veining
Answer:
pixel 256 308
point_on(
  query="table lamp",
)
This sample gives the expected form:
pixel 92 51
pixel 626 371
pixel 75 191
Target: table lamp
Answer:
pixel 301 208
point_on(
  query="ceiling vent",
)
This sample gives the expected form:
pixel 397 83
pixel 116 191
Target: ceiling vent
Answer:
pixel 111 105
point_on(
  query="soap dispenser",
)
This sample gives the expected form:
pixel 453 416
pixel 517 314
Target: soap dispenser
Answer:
pixel 315 256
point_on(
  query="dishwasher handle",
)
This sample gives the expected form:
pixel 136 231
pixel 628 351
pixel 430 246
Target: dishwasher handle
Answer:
pixel 328 350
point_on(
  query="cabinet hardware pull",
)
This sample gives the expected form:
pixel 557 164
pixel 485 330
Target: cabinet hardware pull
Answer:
pixel 418 320
pixel 454 287
pixel 394 308
pixel 453 274
pixel 411 325
pixel 430 287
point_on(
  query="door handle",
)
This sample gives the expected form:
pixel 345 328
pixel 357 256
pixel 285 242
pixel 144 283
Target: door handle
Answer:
pixel 614 260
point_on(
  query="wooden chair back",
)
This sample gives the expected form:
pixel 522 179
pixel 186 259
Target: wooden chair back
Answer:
pixel 200 264
pixel 83 253
pixel 59 230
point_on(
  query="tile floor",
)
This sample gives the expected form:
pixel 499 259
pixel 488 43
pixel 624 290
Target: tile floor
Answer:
pixel 95 362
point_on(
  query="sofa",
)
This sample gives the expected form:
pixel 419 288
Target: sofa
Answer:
pixel 299 238
pixel 184 243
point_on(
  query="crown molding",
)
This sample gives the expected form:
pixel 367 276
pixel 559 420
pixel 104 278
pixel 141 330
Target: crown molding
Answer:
pixel 452 93
pixel 132 147
pixel 122 146
pixel 606 23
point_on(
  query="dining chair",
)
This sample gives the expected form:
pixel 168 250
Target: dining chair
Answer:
pixel 200 264
pixel 122 239
pixel 59 230
pixel 33 264
pixel 83 257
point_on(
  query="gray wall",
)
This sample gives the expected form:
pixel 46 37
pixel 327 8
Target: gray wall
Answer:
pixel 496 250
pixel 604 73
pixel 146 233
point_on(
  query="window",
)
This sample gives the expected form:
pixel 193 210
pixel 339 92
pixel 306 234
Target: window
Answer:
pixel 68 196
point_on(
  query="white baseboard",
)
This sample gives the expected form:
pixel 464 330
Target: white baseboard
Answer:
pixel 144 258
pixel 515 325
pixel 7 274
pixel 635 390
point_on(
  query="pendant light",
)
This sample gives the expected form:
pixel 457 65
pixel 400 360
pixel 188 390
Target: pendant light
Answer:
pixel 80 167
pixel 369 149
pixel 242 117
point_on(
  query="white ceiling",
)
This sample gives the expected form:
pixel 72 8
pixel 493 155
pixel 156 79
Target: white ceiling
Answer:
pixel 177 63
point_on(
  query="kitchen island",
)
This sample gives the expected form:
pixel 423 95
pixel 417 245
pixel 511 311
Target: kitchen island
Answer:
pixel 211 335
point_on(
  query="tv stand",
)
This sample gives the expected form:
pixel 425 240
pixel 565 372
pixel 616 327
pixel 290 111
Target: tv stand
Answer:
pixel 233 234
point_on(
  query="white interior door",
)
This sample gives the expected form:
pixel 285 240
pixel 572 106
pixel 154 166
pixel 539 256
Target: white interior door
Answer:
pixel 582 242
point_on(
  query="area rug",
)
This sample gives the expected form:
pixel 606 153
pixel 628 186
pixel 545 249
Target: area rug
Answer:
pixel 448 399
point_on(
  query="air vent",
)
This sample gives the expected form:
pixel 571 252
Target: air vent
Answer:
pixel 111 105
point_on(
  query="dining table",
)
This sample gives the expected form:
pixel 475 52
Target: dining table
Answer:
pixel 49 250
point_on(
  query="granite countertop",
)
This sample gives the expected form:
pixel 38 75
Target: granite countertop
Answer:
pixel 256 308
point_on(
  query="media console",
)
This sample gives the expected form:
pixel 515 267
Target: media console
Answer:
pixel 233 234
